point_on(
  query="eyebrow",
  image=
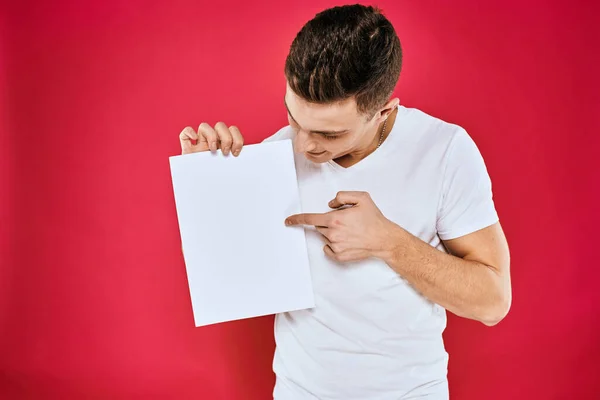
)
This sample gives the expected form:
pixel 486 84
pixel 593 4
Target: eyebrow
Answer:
pixel 320 132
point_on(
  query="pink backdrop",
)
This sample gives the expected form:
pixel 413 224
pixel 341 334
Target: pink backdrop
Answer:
pixel 94 300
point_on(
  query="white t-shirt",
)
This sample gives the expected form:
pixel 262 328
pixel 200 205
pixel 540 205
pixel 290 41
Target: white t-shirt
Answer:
pixel 371 336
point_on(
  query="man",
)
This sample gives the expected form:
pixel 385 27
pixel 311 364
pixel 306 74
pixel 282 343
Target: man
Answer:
pixel 401 223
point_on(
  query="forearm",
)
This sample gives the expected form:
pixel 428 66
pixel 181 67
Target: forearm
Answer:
pixel 467 288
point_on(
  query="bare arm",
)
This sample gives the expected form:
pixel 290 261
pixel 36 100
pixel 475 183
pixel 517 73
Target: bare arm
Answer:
pixel 473 281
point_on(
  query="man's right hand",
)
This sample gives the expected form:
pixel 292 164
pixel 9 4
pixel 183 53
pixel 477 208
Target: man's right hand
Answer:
pixel 228 139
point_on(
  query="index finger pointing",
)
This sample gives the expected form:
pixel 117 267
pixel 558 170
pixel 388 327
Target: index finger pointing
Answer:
pixel 307 219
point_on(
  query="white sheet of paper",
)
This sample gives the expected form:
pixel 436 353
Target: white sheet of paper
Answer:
pixel 241 260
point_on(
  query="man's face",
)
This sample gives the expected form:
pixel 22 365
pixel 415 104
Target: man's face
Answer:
pixel 327 131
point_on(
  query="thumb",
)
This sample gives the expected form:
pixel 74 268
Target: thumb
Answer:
pixel 188 138
pixel 348 198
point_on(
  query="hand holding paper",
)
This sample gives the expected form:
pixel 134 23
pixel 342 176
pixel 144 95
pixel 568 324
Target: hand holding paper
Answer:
pixel 241 261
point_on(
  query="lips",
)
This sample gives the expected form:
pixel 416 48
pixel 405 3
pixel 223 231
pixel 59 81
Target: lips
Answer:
pixel 316 154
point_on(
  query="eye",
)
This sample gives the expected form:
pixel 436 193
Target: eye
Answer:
pixel 330 137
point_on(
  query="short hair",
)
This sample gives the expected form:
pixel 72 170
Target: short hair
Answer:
pixel 346 51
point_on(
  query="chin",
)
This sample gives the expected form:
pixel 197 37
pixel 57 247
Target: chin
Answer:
pixel 318 158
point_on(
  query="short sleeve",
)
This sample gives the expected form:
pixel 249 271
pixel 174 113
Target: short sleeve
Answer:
pixel 466 203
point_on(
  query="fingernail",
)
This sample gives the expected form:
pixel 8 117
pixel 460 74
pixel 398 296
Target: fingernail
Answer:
pixel 236 153
pixel 213 146
pixel 226 150
pixel 287 221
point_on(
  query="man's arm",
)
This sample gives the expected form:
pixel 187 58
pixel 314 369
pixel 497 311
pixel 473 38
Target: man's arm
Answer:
pixel 473 281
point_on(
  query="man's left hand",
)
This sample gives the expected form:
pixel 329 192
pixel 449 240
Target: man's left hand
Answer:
pixel 351 233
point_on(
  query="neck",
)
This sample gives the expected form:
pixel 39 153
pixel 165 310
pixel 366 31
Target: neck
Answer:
pixel 370 144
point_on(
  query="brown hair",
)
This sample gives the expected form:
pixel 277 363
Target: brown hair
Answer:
pixel 346 51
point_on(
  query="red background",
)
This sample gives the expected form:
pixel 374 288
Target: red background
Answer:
pixel 94 300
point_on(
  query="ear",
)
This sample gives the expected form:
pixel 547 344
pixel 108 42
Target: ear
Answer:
pixel 390 106
pixel 387 109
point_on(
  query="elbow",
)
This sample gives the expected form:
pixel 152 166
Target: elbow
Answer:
pixel 497 310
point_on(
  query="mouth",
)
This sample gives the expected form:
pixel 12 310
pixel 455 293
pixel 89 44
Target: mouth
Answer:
pixel 316 154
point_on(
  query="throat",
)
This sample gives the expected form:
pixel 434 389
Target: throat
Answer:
pixel 349 160
pixel 352 158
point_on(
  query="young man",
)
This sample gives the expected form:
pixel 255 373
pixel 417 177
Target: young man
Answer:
pixel 402 225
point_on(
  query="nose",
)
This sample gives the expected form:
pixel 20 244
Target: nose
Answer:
pixel 303 142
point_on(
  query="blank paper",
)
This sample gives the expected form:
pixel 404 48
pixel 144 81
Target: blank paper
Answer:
pixel 241 260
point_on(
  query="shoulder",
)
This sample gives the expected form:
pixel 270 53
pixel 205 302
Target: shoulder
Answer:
pixel 435 137
pixel 430 130
pixel 284 133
